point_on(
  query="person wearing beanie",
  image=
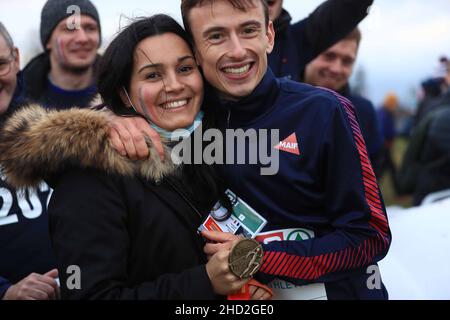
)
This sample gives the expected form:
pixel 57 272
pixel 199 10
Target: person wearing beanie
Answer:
pixel 63 75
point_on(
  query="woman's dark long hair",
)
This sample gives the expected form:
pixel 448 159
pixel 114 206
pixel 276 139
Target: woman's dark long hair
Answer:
pixel 200 182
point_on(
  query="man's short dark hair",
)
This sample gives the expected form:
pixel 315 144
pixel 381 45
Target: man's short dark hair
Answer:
pixel 242 5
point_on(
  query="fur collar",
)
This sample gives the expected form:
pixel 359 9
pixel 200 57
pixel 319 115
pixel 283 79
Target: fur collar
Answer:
pixel 36 143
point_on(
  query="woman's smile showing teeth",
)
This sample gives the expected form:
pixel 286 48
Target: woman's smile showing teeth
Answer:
pixel 175 104
pixel 166 85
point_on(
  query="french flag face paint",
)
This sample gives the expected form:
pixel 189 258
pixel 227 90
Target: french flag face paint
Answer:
pixel 75 48
pixel 59 50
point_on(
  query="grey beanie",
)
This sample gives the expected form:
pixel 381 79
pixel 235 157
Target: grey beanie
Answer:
pixel 56 10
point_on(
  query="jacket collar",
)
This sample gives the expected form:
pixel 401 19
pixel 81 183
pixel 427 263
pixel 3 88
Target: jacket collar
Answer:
pixel 345 91
pixel 282 22
pixel 17 100
pixel 19 93
pixel 37 71
pixel 253 107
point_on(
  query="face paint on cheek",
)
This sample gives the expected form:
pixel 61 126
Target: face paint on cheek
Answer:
pixel 60 55
pixel 143 105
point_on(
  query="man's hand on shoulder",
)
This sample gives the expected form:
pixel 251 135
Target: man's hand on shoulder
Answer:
pixel 127 136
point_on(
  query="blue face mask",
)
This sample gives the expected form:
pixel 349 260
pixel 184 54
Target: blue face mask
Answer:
pixel 174 135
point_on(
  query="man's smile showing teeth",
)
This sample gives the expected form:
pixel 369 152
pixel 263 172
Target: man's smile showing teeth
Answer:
pixel 237 71
pixel 175 104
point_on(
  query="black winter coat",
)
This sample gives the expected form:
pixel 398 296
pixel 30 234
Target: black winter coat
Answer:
pixel 120 229
pixel 131 238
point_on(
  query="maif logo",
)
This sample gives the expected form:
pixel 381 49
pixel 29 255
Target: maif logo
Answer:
pixel 290 144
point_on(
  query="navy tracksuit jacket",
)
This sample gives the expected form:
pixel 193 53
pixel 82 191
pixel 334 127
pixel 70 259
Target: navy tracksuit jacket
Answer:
pixel 327 186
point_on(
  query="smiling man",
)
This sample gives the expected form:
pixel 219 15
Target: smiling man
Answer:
pixel 9 67
pixel 326 187
pixel 63 76
pixel 233 56
pixel 323 204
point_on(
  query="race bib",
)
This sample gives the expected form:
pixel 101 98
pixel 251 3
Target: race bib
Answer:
pixel 242 220
pixel 284 290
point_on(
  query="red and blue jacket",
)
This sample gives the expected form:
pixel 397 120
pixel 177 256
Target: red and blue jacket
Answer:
pixel 325 184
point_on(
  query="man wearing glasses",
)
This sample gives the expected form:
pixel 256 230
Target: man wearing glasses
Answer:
pixel 9 67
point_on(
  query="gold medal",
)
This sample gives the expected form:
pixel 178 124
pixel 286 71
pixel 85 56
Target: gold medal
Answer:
pixel 245 258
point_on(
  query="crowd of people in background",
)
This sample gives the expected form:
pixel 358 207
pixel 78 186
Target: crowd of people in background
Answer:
pixel 426 163
pixel 357 147
pixel 422 168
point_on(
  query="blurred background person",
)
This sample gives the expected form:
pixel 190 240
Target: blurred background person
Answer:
pixel 431 91
pixel 296 44
pixel 27 261
pixel 426 164
pixel 63 76
pixel 332 69
pixel 387 122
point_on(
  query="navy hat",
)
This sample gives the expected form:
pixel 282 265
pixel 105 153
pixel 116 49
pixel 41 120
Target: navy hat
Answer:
pixel 54 11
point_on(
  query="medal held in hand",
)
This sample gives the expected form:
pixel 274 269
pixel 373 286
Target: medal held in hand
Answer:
pixel 246 258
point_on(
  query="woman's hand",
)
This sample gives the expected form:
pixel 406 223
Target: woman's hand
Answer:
pixel 217 241
pixel 258 291
pixel 224 282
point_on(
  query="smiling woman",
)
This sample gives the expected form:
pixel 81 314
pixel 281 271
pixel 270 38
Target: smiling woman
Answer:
pixel 166 86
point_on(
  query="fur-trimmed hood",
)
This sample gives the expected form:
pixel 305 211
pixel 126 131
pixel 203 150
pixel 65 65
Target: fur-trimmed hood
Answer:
pixel 36 143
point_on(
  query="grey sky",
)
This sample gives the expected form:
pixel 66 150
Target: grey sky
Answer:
pixel 402 39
